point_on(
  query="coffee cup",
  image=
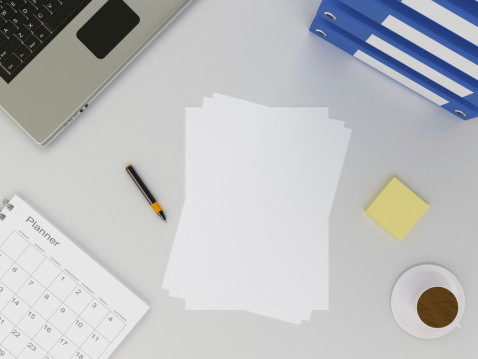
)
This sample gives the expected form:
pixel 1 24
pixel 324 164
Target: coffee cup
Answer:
pixel 428 301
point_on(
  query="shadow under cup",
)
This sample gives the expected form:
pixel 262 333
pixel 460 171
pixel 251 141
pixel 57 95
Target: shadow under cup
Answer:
pixel 437 307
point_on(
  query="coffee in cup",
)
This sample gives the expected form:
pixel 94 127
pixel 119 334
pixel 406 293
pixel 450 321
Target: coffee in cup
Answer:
pixel 437 307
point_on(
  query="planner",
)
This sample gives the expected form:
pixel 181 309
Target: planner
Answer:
pixel 56 302
pixel 412 42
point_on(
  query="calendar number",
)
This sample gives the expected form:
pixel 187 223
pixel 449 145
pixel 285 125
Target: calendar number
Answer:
pixel 78 291
pixel 79 355
pixel 2 353
pixel 47 328
pixel 14 269
pixel 16 334
pixel 32 347
pixel 79 324
pixel 63 342
pixel 95 337
pixel 31 315
pixel 15 301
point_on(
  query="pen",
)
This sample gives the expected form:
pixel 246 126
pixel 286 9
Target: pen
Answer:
pixel 145 191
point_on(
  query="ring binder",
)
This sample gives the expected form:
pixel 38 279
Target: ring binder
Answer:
pixel 393 68
pixel 7 204
pixel 404 51
pixel 409 46
pixel 330 15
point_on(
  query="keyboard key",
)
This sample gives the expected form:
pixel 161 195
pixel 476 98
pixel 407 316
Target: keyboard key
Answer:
pixel 33 24
pixel 37 3
pixel 52 5
pixel 23 33
pixel 28 9
pixel 9 48
pixel 18 19
pixel 3 39
pixel 16 4
pixel 43 14
pixel 9 29
pixel 7 12
pixel 63 14
pixel 11 64
pixel 23 52
pixel 32 43
pixel 42 33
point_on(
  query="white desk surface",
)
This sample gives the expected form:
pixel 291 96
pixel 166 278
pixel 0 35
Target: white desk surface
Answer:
pixel 260 51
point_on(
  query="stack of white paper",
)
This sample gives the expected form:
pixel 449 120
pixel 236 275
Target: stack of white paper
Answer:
pixel 254 232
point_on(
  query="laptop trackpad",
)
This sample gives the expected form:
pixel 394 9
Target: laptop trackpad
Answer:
pixel 105 30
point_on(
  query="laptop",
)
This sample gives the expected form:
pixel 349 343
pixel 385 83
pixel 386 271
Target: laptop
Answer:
pixel 57 56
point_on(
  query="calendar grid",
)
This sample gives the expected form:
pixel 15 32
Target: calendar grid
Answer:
pixel 47 294
pixel 96 329
pixel 52 311
pixel 31 307
pixel 14 293
pixel 47 319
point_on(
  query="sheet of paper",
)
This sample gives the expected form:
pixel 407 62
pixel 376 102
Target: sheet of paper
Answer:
pixel 224 102
pixel 176 283
pixel 260 184
pixel 260 203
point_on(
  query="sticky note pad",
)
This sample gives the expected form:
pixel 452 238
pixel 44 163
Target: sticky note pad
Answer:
pixel 397 208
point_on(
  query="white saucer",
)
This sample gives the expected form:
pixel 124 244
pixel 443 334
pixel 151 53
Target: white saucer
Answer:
pixel 410 287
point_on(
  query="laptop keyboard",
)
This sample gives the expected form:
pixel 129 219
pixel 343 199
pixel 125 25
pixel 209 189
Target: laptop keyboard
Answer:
pixel 27 26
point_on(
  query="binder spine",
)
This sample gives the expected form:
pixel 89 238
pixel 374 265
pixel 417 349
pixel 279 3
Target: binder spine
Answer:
pixel 461 19
pixel 8 206
pixel 393 68
pixel 466 9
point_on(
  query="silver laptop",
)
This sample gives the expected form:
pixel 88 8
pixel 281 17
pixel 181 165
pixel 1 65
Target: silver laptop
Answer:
pixel 56 56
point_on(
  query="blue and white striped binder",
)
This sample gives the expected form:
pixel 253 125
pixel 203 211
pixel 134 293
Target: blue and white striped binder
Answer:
pixel 413 42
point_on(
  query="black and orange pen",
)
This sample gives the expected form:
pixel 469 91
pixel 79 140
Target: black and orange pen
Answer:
pixel 145 191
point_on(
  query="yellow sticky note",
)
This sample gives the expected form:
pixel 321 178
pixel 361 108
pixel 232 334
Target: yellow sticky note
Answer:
pixel 397 208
